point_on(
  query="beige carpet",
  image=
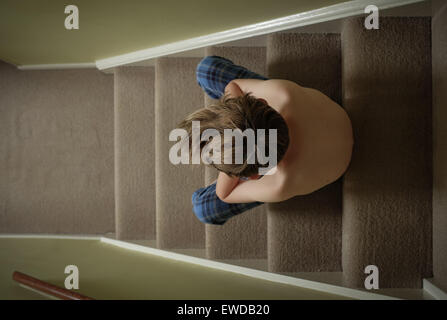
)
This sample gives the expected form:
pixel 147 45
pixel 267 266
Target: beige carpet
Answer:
pixel 135 152
pixel 176 95
pixel 439 51
pixel 243 236
pixel 387 191
pixel 56 151
pixel 304 233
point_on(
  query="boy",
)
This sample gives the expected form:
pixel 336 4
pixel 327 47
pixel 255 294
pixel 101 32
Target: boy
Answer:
pixel 314 138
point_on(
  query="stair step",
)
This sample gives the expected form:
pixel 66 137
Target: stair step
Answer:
pixel 304 233
pixel 177 94
pixel 56 151
pixel 439 30
pixel 134 153
pixel 243 236
pixel 387 191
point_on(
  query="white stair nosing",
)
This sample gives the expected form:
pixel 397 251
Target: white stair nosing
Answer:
pixel 337 11
pixel 50 236
pixel 433 290
pixel 57 66
pixel 329 13
pixel 312 285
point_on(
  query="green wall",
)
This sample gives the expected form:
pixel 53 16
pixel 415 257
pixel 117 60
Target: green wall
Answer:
pixel 33 32
pixel 110 272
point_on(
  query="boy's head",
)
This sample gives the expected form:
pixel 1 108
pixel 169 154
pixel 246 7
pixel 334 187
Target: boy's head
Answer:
pixel 243 112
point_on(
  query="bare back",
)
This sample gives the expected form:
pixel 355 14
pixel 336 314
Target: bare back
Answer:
pixel 320 133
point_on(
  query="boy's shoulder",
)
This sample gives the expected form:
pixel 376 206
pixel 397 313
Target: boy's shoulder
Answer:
pixel 272 90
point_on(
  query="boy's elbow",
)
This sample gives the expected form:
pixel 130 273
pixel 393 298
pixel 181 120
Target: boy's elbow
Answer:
pixel 227 199
pixel 220 194
pixel 281 191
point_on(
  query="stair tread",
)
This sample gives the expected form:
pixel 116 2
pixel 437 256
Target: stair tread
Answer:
pixel 387 191
pixel 177 95
pixel 439 76
pixel 304 232
pixel 134 153
pixel 243 236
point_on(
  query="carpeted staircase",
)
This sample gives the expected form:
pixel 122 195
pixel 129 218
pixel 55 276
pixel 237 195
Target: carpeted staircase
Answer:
pixel 387 191
pixel 379 213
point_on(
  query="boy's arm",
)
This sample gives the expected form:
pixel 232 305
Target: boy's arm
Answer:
pixel 266 189
pixel 225 185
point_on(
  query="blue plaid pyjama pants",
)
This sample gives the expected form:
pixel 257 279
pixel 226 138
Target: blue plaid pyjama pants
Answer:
pixel 213 74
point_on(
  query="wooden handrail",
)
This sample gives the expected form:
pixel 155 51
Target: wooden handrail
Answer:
pixel 47 288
